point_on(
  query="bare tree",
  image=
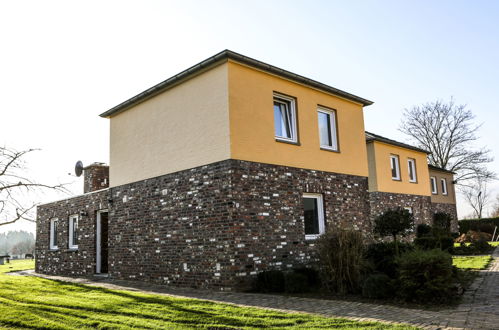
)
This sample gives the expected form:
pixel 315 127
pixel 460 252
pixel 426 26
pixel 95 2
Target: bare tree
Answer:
pixel 447 130
pixel 16 187
pixel 495 209
pixel 476 195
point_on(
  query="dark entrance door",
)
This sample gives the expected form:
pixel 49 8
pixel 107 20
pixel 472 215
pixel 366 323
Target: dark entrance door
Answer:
pixel 102 235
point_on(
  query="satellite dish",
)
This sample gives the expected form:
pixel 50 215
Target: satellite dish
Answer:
pixel 79 168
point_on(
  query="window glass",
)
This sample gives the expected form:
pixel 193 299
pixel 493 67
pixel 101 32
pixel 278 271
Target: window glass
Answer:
pixel 327 129
pixel 412 170
pixel 433 183
pixel 394 162
pixel 73 232
pixel 53 233
pixel 284 118
pixel 313 215
pixel 444 186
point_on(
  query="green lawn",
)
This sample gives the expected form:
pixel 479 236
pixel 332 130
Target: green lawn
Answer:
pixel 491 243
pixel 30 302
pixel 473 262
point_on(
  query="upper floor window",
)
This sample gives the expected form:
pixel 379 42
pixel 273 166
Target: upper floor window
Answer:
pixel 433 184
pixel 313 215
pixel 53 234
pixel 73 232
pixel 285 118
pixel 412 170
pixel 444 186
pixel 395 166
pixel 327 129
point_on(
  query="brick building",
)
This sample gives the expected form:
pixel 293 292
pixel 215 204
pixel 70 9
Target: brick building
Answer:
pixel 227 169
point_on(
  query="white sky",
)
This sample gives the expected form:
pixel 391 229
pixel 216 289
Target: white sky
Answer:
pixel 62 63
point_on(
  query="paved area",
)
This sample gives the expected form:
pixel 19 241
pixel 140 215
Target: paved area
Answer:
pixel 478 310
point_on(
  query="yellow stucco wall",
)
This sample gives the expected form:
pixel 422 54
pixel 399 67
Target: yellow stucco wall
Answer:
pixel 252 124
pixel 184 127
pixel 382 176
pixel 450 198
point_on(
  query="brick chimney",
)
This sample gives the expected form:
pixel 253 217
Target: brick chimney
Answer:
pixel 95 177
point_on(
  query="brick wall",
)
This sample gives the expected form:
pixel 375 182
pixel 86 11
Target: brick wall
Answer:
pixel 95 177
pixel 65 261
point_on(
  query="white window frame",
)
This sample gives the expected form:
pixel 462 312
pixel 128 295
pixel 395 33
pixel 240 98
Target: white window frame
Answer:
pixel 72 218
pixel 411 164
pixel 433 185
pixel 320 214
pixel 443 183
pixel 408 208
pixel 397 167
pixel 52 237
pixel 334 128
pixel 292 109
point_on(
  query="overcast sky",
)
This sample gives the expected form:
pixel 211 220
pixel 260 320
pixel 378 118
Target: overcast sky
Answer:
pixel 62 63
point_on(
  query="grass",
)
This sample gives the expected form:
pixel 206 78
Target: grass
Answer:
pixel 471 262
pixel 36 303
pixel 494 244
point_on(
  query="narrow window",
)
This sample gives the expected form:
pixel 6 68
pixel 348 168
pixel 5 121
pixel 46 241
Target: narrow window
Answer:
pixel 73 232
pixel 327 129
pixel 444 186
pixel 394 162
pixel 53 234
pixel 433 184
pixel 408 208
pixel 285 118
pixel 314 215
pixel 412 170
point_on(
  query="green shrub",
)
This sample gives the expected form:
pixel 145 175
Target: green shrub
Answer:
pixel 442 221
pixel 423 230
pixel 296 283
pixel 340 254
pixel 394 222
pixel 431 242
pixel 378 286
pixel 382 257
pixel 483 225
pixel 270 281
pixel 481 246
pixel 426 277
pixel 312 276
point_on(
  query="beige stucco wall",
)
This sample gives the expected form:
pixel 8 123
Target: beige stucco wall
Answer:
pixel 252 124
pixel 371 162
pixel 381 154
pixel 181 128
pixel 450 198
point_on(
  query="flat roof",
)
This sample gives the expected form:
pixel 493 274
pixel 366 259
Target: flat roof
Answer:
pixel 375 137
pixel 436 168
pixel 222 57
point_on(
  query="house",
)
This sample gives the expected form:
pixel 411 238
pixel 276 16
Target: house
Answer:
pixel 227 169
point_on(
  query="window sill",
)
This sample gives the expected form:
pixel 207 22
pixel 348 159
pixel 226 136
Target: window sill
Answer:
pixel 434 193
pixel 54 249
pixel 330 150
pixel 72 249
pixel 287 141
pixel 311 237
pixel 413 182
pixel 394 179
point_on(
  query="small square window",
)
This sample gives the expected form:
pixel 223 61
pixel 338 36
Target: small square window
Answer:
pixel 327 129
pixel 433 184
pixel 53 234
pixel 285 118
pixel 411 163
pixel 313 215
pixel 444 186
pixel 395 166
pixel 73 232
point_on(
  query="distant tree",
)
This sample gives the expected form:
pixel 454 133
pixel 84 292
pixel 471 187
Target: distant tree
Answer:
pixel 495 209
pixel 475 193
pixel 394 222
pixel 16 186
pixel 448 131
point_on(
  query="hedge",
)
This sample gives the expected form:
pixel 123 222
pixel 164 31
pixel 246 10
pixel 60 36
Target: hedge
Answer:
pixel 485 225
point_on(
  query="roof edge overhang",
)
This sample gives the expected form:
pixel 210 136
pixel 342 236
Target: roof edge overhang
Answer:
pixel 218 59
pixel 371 137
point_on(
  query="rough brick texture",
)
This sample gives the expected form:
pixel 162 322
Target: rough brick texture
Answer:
pixel 95 177
pixel 66 261
pixel 213 226
pixel 450 209
pixel 421 205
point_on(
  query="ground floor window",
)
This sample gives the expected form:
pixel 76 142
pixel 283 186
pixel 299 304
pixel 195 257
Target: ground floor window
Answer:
pixel 73 232
pixel 53 234
pixel 314 215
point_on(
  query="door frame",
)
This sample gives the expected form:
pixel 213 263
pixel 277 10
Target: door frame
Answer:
pixel 98 252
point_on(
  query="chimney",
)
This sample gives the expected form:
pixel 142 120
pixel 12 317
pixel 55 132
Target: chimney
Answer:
pixel 95 177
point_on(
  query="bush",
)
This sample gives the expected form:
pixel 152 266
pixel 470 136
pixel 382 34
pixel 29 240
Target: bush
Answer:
pixel 481 246
pixel 423 230
pixel 382 257
pixel 270 281
pixel 394 222
pixel 312 276
pixel 442 220
pixel 378 286
pixel 296 283
pixel 340 253
pixel 426 277
pixel 430 242
pixel 483 225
